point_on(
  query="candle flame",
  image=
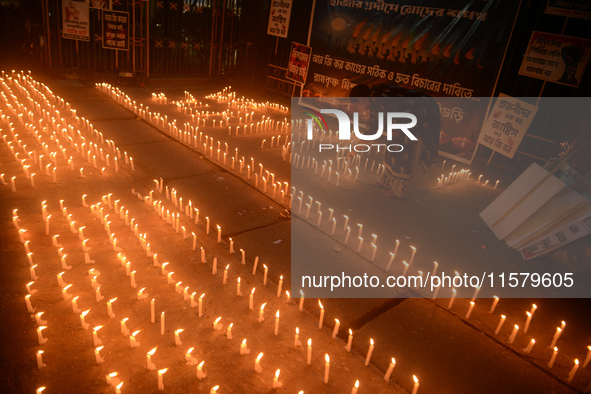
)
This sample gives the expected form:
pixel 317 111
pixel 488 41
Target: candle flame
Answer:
pixel 119 386
pixel 162 371
pixel 135 333
pixel 113 299
pixel 252 292
pixel 125 320
pixel 227 266
pixel 279 371
pixel 555 349
pixel 216 321
pixel 98 349
pixel 320 303
pixel 357 384
pixel 85 313
pixel 244 341
pixel 190 350
pixel 534 306
pixel 393 361
pixel 298 331
pixel 259 356
pixel 97 328
pixel 264 266
pixel 327 358
pixel 40 351
pixel 277 314
pixel 503 317
pixel 576 361
pixel 113 374
pixel 528 314
pixel 202 295
pixel 371 341
pixel 350 332
pixel 414 377
pixel 309 342
pixel 179 331
pixel 263 306
pixel 151 352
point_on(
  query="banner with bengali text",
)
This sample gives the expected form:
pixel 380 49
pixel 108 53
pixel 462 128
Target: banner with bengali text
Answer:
pixel 440 48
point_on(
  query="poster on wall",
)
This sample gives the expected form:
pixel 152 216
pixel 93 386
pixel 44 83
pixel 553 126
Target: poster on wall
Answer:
pixel 279 16
pixel 506 125
pixel 571 8
pixel 299 62
pixel 556 58
pixel 440 48
pixel 75 21
pixel 116 30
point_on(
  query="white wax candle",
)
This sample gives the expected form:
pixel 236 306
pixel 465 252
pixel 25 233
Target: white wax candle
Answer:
pixel 160 379
pixel 335 331
pixel 262 313
pixel 40 363
pixel 152 311
pixel 276 323
pixel 309 352
pixel 415 388
pixel 244 348
pixel 326 368
pixel 370 351
pixel 150 365
pixel 390 369
pixel 257 363
pixel 162 323
pixel 201 304
pixel 177 337
pixel 321 319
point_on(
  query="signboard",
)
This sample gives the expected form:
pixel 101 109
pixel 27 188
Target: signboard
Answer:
pixel 560 237
pixel 506 125
pixel 299 62
pixel 441 48
pixel 116 30
pixel 556 58
pixel 75 22
pixel 279 18
pixel 571 8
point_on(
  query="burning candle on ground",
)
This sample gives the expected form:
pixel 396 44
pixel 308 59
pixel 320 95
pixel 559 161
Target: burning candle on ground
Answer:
pixel 276 383
pixel 498 329
pixel 151 366
pixel 132 341
pixel 296 340
pixel 415 388
pixel 573 371
pixel 177 337
pixel 217 326
pixel 529 347
pixel 513 334
pixel 390 369
pixel 335 331
pixel 321 319
pixel 83 323
pixel 553 358
pixel 40 363
pixel 265 274
pixel 262 313
pixel 349 341
pixel 470 309
pixel 309 352
pixel 587 357
pixel 244 348
pixel 556 336
pixel 326 368
pixel 201 304
pixel 301 307
pixel 200 373
pixel 257 363
pixel 276 323
pixel 369 352
pixel 95 338
pixel 190 360
pixel 110 307
pixel 97 355
pixel 161 372
pixel 124 329
pixel 162 323
pixel 280 286
pixel 494 304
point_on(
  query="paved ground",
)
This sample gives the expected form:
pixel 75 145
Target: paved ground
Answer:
pixel 449 354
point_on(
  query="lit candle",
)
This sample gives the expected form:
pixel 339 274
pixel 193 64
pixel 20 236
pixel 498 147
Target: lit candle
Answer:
pixel 588 357
pixel 177 337
pixel 160 379
pixel 251 300
pixel 254 266
pixel 83 323
pixel 217 326
pixel 276 383
pixel 40 337
pixel 40 363
pixel 513 334
pixel 214 267
pixel 151 366
pixel 110 307
pixel 243 348
pixel 162 323
pixel 527 321
pixel 296 340
pixel 529 347
pixel 219 233
pixel 276 323
pixel 553 358
pixel 326 368
pixel 556 336
pixel 95 338
pixel 132 341
pixel 349 341
pixel 280 286
pixel 390 369
pixel 118 388
pixel 321 319
pixel 152 311
pixel 266 272
pixel 238 292
pixel 40 390
pixel 229 331
pixel 189 358
pixel 335 331
pixel 257 363
pixel 262 313
pixel 28 302
pixel 470 309
pixel 355 387
pixel 201 304
pixel 309 355
pixel 415 389
pixel 494 304
pixel 368 357
pixel 97 355
pixel 498 329
pixel 573 371
pixel 225 278
pixel 124 329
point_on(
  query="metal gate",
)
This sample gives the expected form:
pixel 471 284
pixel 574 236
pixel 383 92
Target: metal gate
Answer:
pixel 167 37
